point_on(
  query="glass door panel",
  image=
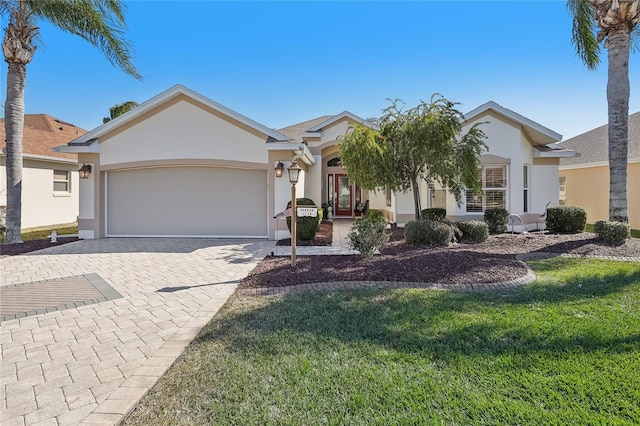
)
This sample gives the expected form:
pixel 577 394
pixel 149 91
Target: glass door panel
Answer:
pixel 343 188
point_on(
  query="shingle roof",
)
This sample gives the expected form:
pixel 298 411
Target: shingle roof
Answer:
pixel 594 145
pixel 295 131
pixel 42 133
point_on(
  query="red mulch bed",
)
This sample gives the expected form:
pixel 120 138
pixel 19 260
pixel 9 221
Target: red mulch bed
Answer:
pixel 487 262
pixel 33 245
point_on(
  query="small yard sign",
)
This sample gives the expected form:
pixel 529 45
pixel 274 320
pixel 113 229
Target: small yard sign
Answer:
pixel 307 211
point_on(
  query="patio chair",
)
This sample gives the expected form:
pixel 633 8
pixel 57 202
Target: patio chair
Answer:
pixel 363 207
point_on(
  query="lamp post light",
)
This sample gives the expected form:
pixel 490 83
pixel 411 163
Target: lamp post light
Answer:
pixel 294 174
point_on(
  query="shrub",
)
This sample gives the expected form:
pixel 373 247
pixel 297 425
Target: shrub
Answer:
pixel 456 233
pixel 367 236
pixel 614 233
pixel 474 231
pixel 566 219
pixel 434 213
pixel 427 232
pixel 306 227
pixel 375 216
pixel 497 220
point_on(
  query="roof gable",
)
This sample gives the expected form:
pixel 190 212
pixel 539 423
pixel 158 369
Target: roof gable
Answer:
pixel 167 97
pixel 538 134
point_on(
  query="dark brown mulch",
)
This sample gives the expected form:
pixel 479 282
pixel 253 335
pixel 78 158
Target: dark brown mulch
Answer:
pixel 33 245
pixel 491 261
pixel 323 237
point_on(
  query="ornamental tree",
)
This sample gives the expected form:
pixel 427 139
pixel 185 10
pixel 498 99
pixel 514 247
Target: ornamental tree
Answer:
pixel 424 143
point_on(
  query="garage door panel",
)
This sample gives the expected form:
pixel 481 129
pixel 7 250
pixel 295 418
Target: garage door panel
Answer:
pixel 187 201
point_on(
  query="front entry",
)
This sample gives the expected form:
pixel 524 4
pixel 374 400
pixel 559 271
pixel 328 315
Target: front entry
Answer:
pixel 344 195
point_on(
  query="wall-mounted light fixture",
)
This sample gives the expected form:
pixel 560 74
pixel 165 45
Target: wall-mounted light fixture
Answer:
pixel 85 171
pixel 279 169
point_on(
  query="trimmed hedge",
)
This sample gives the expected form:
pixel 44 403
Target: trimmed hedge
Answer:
pixel 497 220
pixel 306 227
pixel 474 231
pixel 566 219
pixel 614 233
pixel 434 213
pixel 427 232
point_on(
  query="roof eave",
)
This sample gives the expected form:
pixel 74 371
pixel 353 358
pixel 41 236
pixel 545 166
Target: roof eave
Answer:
pixel 167 95
pixel 548 135
pixel 93 148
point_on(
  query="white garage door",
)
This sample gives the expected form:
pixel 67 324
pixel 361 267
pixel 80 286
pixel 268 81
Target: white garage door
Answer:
pixel 187 201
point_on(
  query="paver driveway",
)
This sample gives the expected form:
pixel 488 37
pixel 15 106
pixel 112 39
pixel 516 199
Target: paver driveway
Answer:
pixel 90 364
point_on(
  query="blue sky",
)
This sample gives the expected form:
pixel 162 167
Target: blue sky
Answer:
pixel 280 63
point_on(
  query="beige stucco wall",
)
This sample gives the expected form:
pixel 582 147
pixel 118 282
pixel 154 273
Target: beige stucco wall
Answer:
pixel 41 206
pixel 183 130
pixel 588 187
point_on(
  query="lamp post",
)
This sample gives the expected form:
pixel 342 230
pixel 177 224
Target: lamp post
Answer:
pixel 294 174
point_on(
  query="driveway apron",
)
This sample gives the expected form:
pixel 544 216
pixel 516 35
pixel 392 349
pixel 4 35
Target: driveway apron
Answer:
pixel 106 319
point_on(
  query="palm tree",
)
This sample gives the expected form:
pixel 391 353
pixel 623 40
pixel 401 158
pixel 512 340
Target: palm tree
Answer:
pixel 617 25
pixel 100 22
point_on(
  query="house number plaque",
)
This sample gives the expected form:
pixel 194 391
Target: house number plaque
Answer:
pixel 307 211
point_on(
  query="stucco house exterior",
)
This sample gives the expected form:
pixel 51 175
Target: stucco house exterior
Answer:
pixel 49 178
pixel 181 164
pixel 584 181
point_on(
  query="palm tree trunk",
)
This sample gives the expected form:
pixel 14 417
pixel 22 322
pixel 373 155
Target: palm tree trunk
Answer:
pixel 14 125
pixel 618 92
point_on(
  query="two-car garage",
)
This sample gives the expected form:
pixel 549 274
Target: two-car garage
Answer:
pixel 190 201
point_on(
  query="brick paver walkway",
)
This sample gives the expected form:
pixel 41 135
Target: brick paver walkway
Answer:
pixel 92 363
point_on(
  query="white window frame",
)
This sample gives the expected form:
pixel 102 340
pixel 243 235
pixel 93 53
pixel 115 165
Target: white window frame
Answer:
pixel 485 188
pixel 67 181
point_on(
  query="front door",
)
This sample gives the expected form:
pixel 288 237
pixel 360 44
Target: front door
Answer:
pixel 344 200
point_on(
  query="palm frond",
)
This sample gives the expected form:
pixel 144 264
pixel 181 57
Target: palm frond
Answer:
pixel 100 22
pixel 583 32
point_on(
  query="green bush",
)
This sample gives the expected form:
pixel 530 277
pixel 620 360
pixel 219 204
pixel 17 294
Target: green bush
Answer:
pixel 614 233
pixel 367 236
pixel 456 233
pixel 434 213
pixel 306 227
pixel 474 231
pixel 566 219
pixel 375 216
pixel 427 232
pixel 497 220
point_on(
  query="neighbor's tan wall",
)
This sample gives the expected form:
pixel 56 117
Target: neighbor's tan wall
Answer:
pixel 589 188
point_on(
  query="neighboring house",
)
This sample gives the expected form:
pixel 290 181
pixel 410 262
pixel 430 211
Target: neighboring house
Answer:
pixel 181 164
pixel 49 179
pixel 584 181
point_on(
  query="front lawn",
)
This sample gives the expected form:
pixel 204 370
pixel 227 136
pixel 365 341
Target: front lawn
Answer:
pixel 564 350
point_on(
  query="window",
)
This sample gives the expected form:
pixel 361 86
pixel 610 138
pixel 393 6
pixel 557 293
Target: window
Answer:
pixel 387 196
pixel 334 162
pixel 494 185
pixel 61 181
pixel 438 198
pixel 562 180
pixel 525 185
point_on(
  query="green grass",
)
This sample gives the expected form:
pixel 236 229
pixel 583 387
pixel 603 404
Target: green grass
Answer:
pixel 635 233
pixel 45 232
pixel 564 350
